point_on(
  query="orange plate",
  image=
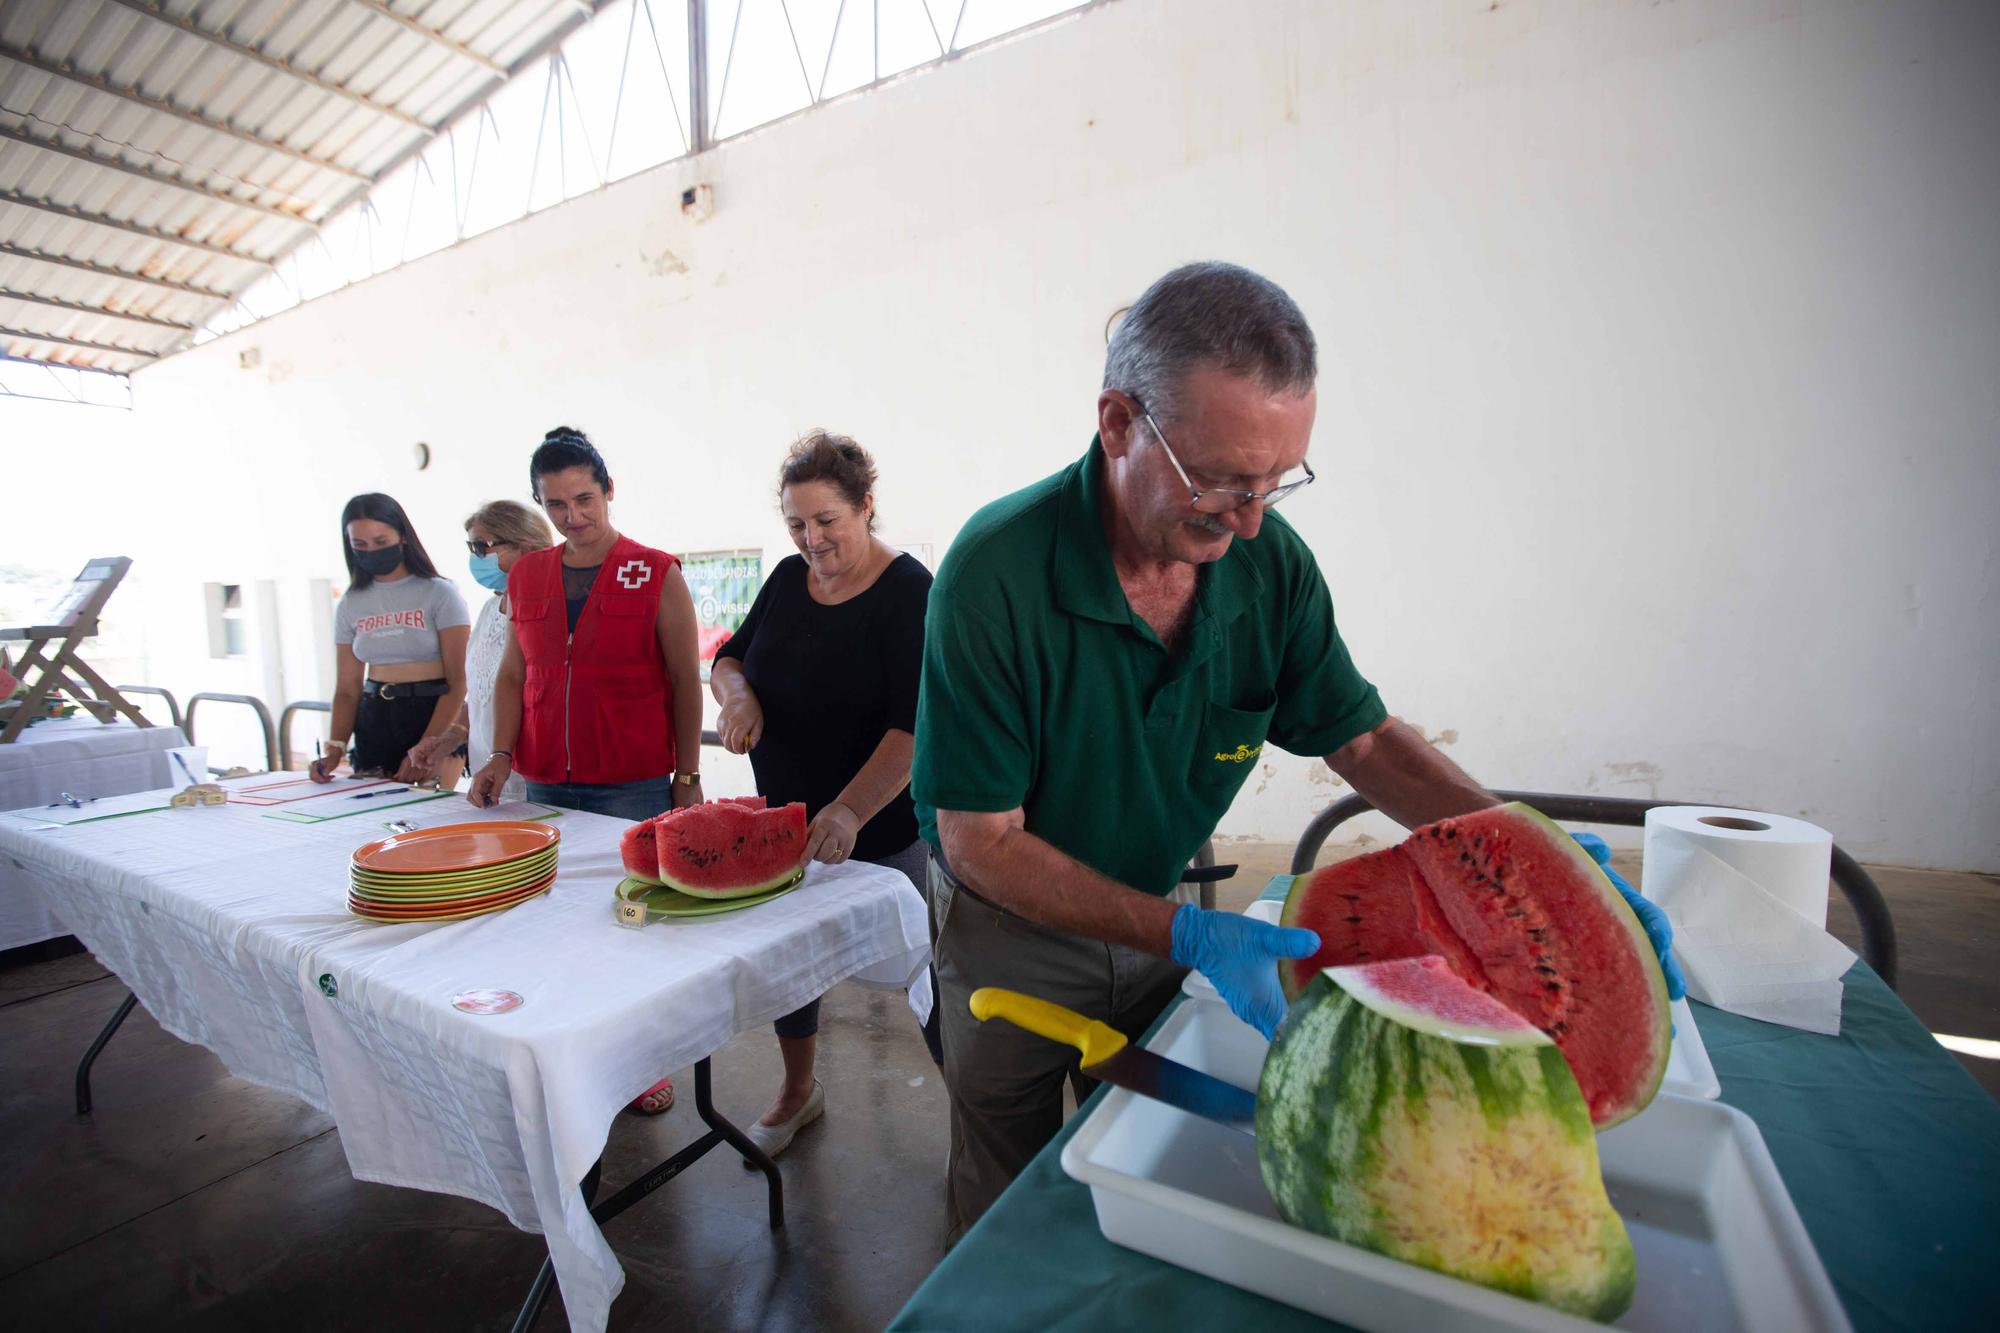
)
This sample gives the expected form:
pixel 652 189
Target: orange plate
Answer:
pixel 364 907
pixel 450 916
pixel 426 851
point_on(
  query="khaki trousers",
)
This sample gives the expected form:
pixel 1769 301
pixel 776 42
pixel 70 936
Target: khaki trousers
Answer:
pixel 1005 1084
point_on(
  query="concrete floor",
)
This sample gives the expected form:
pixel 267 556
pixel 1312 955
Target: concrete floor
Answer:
pixel 190 1199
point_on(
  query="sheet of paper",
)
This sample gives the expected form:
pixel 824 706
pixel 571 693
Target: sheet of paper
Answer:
pixel 466 813
pixel 361 803
pixel 300 789
pixel 1742 949
pixel 109 807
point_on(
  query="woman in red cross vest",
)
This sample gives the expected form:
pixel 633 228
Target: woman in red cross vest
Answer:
pixel 598 701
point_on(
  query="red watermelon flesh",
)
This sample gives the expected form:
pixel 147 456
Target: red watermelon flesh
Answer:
pixel 730 848
pixel 1521 912
pixel 639 849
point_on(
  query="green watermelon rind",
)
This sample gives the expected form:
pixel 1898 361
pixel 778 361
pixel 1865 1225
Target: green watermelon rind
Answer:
pixel 1330 1084
pixel 733 891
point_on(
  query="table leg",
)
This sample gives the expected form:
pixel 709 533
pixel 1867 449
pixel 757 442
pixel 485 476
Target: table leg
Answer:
pixel 741 1142
pixel 90 1056
pixel 720 1130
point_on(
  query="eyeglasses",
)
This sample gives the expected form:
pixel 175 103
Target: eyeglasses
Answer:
pixel 478 547
pixel 1218 499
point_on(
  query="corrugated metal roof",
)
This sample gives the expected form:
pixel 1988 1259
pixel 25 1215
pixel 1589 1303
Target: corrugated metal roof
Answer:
pixel 157 156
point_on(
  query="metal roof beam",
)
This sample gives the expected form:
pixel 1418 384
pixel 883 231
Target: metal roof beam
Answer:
pixel 12 251
pixel 166 108
pixel 136 229
pixel 27 336
pixel 432 35
pixel 151 177
pixel 586 10
pixel 227 43
pixel 98 311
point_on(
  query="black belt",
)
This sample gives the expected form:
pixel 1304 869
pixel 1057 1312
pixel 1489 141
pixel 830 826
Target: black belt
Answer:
pixel 406 689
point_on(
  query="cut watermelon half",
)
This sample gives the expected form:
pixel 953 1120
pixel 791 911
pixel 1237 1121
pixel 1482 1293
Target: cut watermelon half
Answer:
pixel 730 848
pixel 1517 909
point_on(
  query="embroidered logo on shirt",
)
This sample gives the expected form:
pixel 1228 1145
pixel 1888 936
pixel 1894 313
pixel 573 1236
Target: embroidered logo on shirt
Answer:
pixel 1240 754
pixel 635 574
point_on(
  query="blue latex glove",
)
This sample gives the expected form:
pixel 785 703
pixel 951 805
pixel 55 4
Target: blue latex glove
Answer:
pixel 1240 954
pixel 1658 929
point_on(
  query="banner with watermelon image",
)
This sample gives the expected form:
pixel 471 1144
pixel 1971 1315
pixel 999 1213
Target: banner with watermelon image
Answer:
pixel 723 585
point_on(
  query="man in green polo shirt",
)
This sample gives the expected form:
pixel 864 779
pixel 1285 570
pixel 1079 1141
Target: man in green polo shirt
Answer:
pixel 1107 653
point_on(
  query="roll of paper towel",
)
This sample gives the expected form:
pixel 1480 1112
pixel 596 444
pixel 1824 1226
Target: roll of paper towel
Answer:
pixel 1787 858
pixel 1746 893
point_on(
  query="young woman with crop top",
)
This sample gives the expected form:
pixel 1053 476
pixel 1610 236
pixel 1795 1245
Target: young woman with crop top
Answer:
pixel 399 637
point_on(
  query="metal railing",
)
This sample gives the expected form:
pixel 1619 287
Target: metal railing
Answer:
pixel 285 723
pixel 1871 910
pixel 173 704
pixel 251 702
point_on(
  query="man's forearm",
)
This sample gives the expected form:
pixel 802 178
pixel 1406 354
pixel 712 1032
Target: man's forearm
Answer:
pixel 1406 777
pixel 1016 870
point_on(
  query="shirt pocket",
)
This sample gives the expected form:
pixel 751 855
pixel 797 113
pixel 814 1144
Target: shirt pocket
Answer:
pixel 1228 743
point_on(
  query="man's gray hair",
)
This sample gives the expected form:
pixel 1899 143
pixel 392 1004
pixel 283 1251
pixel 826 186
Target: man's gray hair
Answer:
pixel 1209 314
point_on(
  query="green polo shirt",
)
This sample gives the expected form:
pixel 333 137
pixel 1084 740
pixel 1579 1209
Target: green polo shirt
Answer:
pixel 1041 688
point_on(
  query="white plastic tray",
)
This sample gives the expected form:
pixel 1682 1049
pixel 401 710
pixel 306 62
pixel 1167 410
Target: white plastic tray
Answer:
pixel 1689 1072
pixel 1719 1245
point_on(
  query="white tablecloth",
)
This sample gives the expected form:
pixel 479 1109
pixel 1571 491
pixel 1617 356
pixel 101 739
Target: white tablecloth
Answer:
pixel 225 922
pixel 83 757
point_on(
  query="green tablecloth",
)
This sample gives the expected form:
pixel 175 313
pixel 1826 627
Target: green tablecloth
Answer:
pixel 1890 1150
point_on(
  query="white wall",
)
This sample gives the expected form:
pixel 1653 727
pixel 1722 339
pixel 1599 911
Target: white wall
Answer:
pixel 1658 432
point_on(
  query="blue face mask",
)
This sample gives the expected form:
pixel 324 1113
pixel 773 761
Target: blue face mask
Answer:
pixel 486 572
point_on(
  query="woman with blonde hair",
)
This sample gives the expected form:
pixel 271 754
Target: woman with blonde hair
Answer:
pixel 497 535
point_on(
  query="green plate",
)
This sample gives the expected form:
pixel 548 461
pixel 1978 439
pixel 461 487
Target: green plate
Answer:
pixel 665 902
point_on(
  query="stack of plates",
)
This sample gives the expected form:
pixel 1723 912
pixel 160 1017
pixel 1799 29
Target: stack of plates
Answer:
pixel 452 871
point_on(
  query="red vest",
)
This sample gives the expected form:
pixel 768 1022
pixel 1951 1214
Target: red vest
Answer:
pixel 596 705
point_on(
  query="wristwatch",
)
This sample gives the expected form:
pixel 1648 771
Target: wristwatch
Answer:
pixel 687 779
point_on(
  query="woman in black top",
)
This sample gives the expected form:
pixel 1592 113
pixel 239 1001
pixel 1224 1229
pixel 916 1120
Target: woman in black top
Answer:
pixel 819 687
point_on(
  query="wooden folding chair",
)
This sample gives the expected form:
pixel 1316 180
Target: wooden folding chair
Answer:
pixel 49 664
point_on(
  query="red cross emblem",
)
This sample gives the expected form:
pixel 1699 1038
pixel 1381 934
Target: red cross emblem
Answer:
pixel 635 574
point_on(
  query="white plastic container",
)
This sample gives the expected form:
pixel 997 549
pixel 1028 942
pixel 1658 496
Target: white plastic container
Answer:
pixel 1719 1244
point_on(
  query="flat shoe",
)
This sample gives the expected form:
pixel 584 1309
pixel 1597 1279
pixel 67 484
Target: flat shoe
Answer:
pixel 774 1139
pixel 660 1096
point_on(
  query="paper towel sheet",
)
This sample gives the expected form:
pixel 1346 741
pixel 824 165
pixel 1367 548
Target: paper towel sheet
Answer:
pixel 1741 948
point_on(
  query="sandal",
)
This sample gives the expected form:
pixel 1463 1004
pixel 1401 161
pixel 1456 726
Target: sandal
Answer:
pixel 656 1100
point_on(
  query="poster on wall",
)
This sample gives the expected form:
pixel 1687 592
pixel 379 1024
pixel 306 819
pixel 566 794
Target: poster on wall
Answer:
pixel 723 585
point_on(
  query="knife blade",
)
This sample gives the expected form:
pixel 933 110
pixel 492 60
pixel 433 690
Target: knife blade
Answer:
pixel 1109 1056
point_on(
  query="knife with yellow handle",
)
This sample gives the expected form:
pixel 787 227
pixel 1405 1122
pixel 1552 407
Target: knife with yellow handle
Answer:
pixel 1107 1055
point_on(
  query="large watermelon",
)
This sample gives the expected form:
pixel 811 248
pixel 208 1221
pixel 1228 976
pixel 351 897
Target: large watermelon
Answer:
pixel 730 848
pixel 1403 1111
pixel 639 848
pixel 1520 911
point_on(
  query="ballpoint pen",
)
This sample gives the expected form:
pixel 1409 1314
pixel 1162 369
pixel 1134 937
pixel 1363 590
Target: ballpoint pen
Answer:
pixel 188 772
pixel 370 795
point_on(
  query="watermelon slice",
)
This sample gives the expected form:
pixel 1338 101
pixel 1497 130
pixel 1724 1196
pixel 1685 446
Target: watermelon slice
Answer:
pixel 1406 1112
pixel 730 848
pixel 1517 910
pixel 639 849
pixel 640 852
